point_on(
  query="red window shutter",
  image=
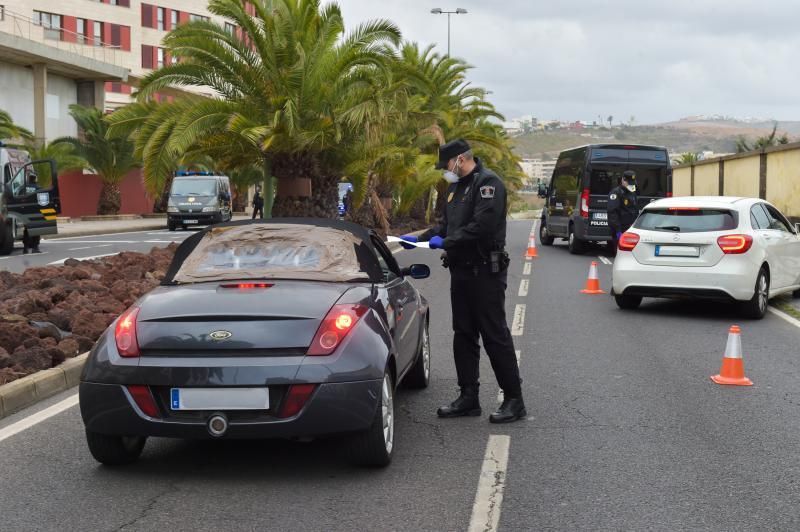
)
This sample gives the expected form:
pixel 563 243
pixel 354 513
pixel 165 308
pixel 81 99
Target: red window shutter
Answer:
pixel 147 16
pixel 183 18
pixel 106 33
pixel 147 56
pixel 116 35
pixel 69 25
pixel 126 38
pixel 109 86
pixel 167 19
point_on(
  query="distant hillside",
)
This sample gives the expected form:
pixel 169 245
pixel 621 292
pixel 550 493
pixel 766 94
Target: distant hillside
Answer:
pixel 678 137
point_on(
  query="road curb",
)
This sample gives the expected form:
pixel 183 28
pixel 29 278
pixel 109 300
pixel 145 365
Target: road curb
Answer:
pixel 107 231
pixel 29 390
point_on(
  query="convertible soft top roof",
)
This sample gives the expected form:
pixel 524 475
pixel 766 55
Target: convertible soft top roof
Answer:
pixel 315 249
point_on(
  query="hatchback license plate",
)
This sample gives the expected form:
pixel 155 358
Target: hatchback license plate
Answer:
pixel 677 251
pixel 190 221
pixel 219 398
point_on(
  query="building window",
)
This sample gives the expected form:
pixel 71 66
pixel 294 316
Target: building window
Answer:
pixel 194 18
pixel 161 15
pixel 147 56
pixel 50 22
pixel 160 58
pixel 174 16
pixel 97 33
pixel 2 12
pixel 81 31
pixel 230 29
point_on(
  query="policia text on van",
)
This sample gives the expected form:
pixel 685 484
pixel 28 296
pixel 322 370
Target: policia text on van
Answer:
pixel 578 194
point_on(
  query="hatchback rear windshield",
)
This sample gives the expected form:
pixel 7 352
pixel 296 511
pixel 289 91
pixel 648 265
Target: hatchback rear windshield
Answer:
pixel 686 220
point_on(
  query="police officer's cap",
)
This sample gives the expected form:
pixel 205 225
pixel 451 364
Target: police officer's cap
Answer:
pixel 452 149
pixel 629 175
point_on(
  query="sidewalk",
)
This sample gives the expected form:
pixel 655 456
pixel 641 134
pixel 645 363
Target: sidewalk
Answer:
pixel 108 226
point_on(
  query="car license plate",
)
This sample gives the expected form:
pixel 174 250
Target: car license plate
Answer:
pixel 600 215
pixel 677 251
pixel 219 398
pixel 190 221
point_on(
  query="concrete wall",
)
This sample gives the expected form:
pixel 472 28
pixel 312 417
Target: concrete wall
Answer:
pixel 80 193
pixel 742 177
pixel 61 93
pixel 16 93
pixel 682 181
pixel 783 181
pixel 706 180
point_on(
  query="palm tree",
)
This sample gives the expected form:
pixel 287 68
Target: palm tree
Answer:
pixel 687 158
pixel 11 131
pixel 61 153
pixel 294 94
pixel 111 158
pixel 760 143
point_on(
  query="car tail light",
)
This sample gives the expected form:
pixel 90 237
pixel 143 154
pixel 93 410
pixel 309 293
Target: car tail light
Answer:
pixel 669 194
pixel 125 333
pixel 585 203
pixel 628 241
pixel 735 244
pixel 143 399
pixel 296 398
pixel 340 320
pixel 247 286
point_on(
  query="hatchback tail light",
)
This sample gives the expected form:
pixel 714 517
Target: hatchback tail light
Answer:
pixel 340 320
pixel 735 244
pixel 125 333
pixel 296 398
pixel 628 241
pixel 144 399
pixel 585 203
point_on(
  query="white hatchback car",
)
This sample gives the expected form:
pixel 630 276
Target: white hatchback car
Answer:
pixel 731 249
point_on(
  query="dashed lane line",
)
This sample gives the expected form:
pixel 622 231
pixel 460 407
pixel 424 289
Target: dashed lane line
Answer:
pixel 59 241
pixel 491 485
pixel 526 270
pixel 518 325
pixel 523 288
pixel 500 392
pixel 38 417
pixel 605 260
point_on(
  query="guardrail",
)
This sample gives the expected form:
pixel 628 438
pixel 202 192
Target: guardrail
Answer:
pixel 76 43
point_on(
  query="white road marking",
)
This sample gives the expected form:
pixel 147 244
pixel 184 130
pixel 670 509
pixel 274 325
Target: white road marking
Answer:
pixel 491 484
pixel 604 260
pixel 95 241
pixel 38 417
pixel 91 247
pixel 62 261
pixel 158 241
pixel 523 288
pixel 518 325
pixel 500 392
pixel 526 270
pixel 104 234
pixel 781 314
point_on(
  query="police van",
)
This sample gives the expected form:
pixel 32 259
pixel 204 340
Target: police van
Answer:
pixel 29 199
pixel 577 198
pixel 198 198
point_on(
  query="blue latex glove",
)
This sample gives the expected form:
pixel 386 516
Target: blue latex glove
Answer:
pixel 436 242
pixel 619 235
pixel 408 238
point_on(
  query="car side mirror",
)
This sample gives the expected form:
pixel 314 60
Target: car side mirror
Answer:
pixel 417 271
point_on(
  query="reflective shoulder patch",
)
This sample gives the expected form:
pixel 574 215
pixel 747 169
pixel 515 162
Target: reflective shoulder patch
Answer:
pixel 450 197
pixel 487 192
pixel 612 196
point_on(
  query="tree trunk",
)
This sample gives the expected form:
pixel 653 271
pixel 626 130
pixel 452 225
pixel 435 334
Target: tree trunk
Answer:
pixel 110 199
pixel 372 213
pixel 324 197
pixel 160 203
pixel 268 189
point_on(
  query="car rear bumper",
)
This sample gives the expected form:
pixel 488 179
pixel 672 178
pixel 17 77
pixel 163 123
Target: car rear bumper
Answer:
pixel 592 230
pixel 334 408
pixel 202 219
pixel 727 280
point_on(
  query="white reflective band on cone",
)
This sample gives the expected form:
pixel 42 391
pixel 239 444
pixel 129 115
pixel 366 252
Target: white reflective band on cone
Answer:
pixel 734 347
pixel 593 271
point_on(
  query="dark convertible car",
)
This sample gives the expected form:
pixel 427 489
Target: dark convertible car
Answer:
pixel 285 328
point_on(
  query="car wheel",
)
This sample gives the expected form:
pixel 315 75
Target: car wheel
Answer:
pixel 574 245
pixel 183 227
pixel 628 302
pixel 420 374
pixel 374 447
pixel 756 308
pixel 115 450
pixel 544 235
pixel 171 226
pixel 7 244
pixel 796 293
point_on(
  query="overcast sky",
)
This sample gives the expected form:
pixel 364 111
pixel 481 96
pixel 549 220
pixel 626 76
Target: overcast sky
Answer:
pixel 656 60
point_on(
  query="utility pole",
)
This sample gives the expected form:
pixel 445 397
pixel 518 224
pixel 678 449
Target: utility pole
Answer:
pixel 439 11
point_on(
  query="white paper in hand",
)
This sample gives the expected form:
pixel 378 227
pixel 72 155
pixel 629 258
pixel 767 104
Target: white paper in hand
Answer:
pixel 415 244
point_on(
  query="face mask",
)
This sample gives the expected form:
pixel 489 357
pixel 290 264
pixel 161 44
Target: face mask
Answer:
pixel 452 177
pixel 631 188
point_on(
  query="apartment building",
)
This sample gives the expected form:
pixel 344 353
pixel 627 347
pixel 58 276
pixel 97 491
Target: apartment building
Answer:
pixel 129 32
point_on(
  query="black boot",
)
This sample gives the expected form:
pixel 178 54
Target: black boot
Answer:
pixel 512 409
pixel 467 404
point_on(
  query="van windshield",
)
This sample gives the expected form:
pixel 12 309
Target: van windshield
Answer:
pixel 194 187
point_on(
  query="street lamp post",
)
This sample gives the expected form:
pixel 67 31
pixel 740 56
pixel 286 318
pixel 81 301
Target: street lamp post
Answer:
pixel 439 11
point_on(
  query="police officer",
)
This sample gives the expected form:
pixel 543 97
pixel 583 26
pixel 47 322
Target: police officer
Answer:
pixel 30 244
pixel 258 204
pixel 473 234
pixel 623 207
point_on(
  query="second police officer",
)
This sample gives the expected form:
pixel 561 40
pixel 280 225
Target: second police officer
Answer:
pixel 473 234
pixel 623 207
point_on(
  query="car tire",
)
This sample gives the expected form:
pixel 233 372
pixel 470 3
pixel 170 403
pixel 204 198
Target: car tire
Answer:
pixel 115 450
pixel 420 374
pixel 544 235
pixel 375 446
pixel 171 226
pixel 756 308
pixel 7 244
pixel 574 245
pixel 796 294
pixel 184 227
pixel 628 302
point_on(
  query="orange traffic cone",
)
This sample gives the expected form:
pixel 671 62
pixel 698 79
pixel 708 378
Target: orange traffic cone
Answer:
pixel 531 248
pixel 732 371
pixel 592 283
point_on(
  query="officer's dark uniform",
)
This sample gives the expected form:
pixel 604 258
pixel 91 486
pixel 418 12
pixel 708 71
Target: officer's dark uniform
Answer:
pixel 623 208
pixel 474 232
pixel 258 205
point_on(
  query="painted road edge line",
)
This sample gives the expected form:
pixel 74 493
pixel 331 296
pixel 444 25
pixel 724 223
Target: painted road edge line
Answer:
pixel 38 417
pixel 518 325
pixel 526 270
pixel 781 314
pixel 491 484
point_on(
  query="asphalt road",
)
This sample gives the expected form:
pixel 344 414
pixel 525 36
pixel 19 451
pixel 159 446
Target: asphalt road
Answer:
pixel 626 431
pixel 57 250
